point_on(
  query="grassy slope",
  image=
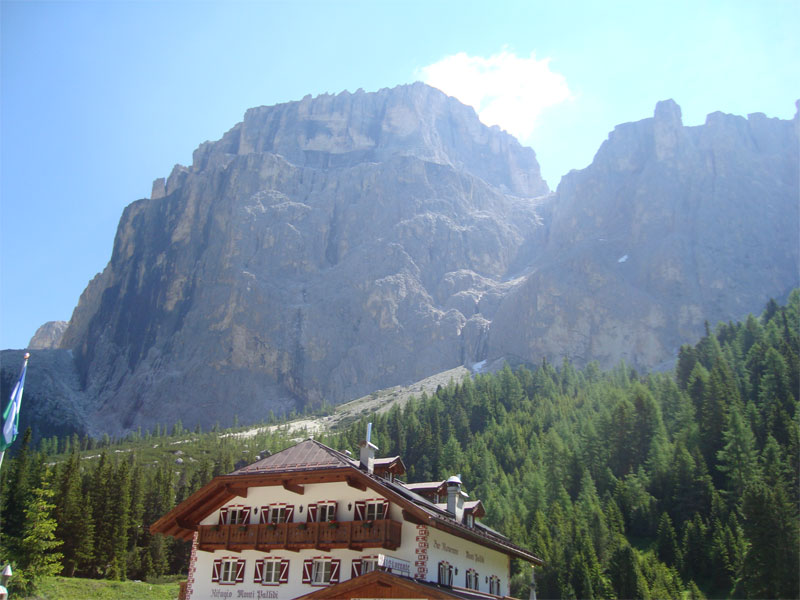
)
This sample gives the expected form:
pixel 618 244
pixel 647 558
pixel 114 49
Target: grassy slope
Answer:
pixel 74 588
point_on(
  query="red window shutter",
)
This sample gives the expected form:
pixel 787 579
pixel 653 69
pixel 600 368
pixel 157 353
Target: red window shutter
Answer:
pixel 355 569
pixel 246 515
pixel 360 510
pixel 289 512
pixel 307 566
pixel 335 570
pixel 264 514
pixel 240 571
pixel 223 516
pixel 259 575
pixel 215 570
pixel 385 510
pixel 284 577
pixel 311 515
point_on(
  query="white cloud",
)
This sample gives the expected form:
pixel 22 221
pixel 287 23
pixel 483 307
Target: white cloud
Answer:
pixel 504 89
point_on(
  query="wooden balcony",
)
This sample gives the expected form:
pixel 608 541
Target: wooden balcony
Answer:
pixel 355 535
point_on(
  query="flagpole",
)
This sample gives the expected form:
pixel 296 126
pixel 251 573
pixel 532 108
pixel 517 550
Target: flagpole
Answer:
pixel 11 414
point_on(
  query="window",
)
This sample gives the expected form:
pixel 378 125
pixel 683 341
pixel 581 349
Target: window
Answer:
pixel 326 511
pixel 228 570
pixel 445 573
pixel 369 564
pixel 272 571
pixel 371 510
pixel 234 515
pixel 374 510
pixel 321 571
pixel 472 579
pixel 494 585
pixel 363 565
pixel 470 520
pixel 277 513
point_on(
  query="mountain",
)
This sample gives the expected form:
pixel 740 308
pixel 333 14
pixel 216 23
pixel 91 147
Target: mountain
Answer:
pixel 670 227
pixel 330 247
pixel 48 336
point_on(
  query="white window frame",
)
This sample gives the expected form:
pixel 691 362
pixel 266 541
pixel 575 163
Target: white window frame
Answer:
pixel 494 585
pixel 326 510
pixel 277 514
pixel 369 564
pixel 445 573
pixel 373 510
pixel 239 513
pixel 470 520
pixel 321 570
pixel 274 569
pixel 227 571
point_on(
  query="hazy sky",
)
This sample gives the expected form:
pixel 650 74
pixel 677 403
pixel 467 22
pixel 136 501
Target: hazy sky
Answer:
pixel 97 99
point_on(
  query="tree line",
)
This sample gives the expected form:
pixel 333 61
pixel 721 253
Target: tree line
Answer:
pixel 628 485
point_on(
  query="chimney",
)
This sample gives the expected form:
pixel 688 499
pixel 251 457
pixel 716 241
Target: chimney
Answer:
pixel 367 455
pixel 455 498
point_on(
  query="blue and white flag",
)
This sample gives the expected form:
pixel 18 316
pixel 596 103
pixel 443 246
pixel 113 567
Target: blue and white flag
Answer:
pixel 11 413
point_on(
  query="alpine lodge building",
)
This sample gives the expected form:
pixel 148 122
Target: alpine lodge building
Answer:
pixel 311 522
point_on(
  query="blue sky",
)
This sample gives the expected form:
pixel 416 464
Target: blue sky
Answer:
pixel 97 99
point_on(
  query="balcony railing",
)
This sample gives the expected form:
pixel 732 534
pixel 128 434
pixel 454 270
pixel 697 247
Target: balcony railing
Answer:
pixel 356 535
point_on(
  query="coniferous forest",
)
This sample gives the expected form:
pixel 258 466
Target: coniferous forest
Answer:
pixel 629 485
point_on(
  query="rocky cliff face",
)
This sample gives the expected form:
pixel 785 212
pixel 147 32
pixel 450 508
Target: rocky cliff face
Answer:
pixel 48 336
pixel 669 227
pixel 326 248
pixel 320 250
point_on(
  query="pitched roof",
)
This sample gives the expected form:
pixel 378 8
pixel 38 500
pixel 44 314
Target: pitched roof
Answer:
pixel 304 456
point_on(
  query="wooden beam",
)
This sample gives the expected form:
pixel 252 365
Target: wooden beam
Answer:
pixel 186 524
pixel 236 490
pixel 411 518
pixel 355 483
pixel 293 487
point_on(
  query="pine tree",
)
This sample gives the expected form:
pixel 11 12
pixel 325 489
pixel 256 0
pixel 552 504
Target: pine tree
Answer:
pixel 738 459
pixel 771 525
pixel 626 574
pixel 73 511
pixel 668 549
pixel 37 557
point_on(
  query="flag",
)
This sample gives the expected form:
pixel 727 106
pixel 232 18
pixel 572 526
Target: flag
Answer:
pixel 11 413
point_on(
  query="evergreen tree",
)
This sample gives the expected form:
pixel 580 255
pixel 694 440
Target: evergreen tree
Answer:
pixel 626 574
pixel 738 459
pixel 668 550
pixel 771 525
pixel 37 557
pixel 73 512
